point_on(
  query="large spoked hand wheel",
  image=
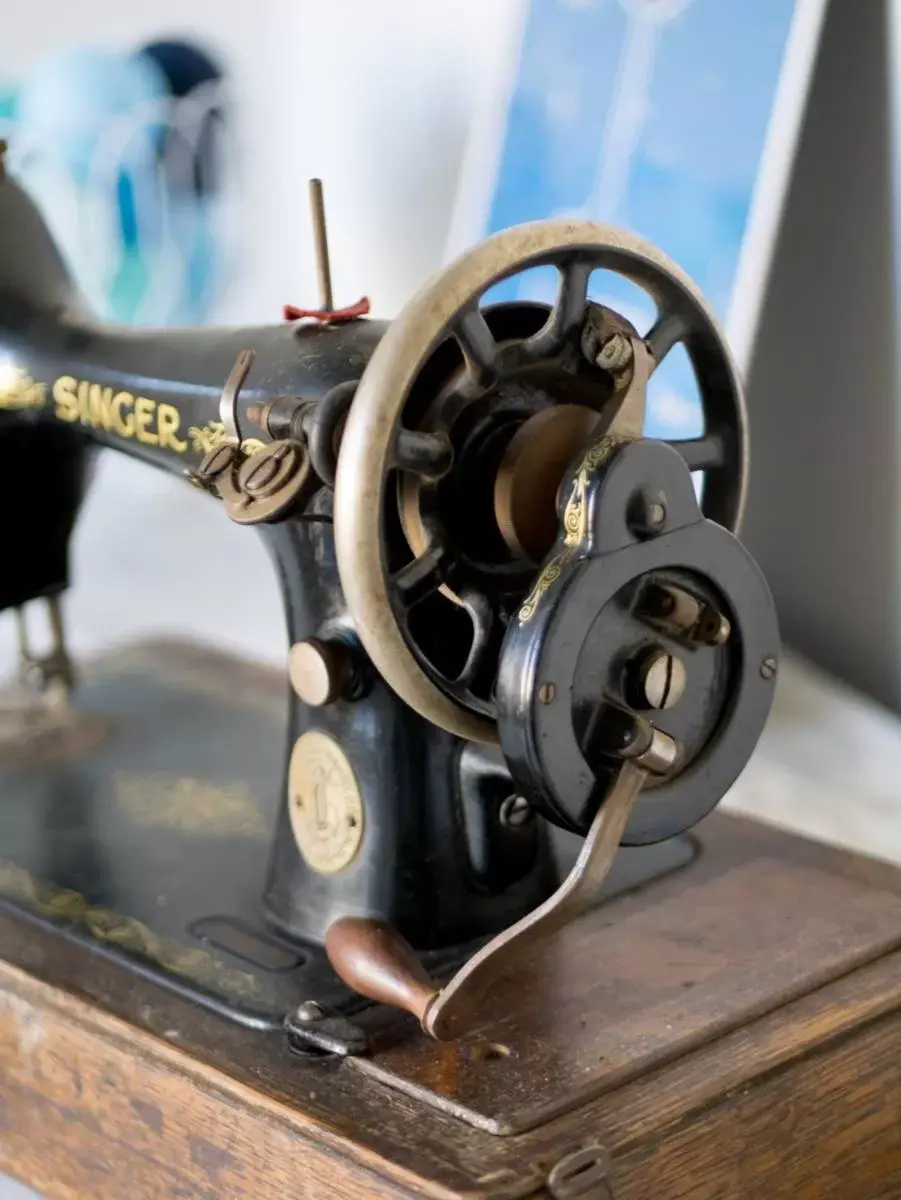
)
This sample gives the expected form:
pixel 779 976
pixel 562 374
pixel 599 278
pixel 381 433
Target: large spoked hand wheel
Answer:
pixel 501 369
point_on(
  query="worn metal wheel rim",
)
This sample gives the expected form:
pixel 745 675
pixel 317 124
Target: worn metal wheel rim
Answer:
pixel 410 339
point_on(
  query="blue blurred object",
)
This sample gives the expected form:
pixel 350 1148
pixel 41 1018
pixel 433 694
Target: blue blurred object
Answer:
pixel 69 101
pixel 649 114
pixel 184 66
pixel 192 186
pixel 137 136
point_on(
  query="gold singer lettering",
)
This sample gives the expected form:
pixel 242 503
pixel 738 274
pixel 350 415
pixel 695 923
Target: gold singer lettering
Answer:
pixel 149 421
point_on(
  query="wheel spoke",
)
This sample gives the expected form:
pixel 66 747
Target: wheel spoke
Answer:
pixel 701 454
pixel 482 615
pixel 428 454
pixel 667 331
pixel 478 345
pixel 567 312
pixel 420 577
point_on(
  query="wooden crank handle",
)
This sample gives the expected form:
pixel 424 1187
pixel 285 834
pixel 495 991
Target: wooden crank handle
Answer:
pixel 374 960
pixel 377 962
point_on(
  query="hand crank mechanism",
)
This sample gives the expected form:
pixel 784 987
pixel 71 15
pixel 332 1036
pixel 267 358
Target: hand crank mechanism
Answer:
pixel 639 659
pixel 477 546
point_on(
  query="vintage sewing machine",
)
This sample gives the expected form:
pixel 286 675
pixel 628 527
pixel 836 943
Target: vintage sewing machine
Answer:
pixel 516 640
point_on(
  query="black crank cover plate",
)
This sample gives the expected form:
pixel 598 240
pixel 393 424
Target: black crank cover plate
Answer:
pixel 573 657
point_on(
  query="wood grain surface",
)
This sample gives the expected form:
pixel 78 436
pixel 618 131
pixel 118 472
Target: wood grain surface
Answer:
pixel 622 991
pixel 803 1100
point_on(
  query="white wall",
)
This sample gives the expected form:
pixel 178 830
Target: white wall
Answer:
pixel 823 517
pixel 376 98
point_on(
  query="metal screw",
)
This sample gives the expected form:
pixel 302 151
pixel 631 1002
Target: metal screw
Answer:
pixel 582 1175
pixel 663 680
pixel 217 461
pixel 310 1011
pixel 647 513
pixel 768 668
pixel 515 812
pixel 546 693
pixel 615 354
pixel 214 464
pixel 261 475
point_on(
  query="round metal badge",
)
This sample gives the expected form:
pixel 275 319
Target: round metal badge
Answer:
pixel 324 803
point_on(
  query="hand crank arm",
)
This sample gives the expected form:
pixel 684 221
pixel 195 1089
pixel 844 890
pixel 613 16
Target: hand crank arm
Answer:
pixel 377 962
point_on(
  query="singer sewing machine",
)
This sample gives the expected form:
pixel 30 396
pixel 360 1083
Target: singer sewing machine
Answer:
pixel 339 945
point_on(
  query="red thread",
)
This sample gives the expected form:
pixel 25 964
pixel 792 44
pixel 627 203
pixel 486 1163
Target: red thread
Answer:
pixel 335 317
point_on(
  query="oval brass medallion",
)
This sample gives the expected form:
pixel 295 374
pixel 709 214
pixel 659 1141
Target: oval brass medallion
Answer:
pixel 325 805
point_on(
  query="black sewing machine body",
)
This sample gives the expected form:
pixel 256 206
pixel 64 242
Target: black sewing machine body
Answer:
pixel 445 870
pixel 414 826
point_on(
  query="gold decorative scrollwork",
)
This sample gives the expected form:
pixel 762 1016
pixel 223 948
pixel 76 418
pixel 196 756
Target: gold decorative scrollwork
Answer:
pixel 188 805
pixel 549 574
pixel 18 391
pixel 205 438
pixel 575 521
pixel 132 935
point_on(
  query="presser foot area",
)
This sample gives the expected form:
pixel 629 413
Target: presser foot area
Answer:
pixel 132 829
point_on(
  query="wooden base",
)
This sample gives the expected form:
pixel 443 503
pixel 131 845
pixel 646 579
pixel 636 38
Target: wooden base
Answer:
pixel 774 1074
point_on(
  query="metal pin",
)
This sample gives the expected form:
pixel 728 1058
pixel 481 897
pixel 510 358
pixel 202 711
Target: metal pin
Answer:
pixel 55 617
pixel 320 238
pixel 228 404
pixel 52 674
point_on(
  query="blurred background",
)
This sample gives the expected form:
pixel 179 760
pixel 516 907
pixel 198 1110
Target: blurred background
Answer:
pixel 169 146
pixel 169 150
